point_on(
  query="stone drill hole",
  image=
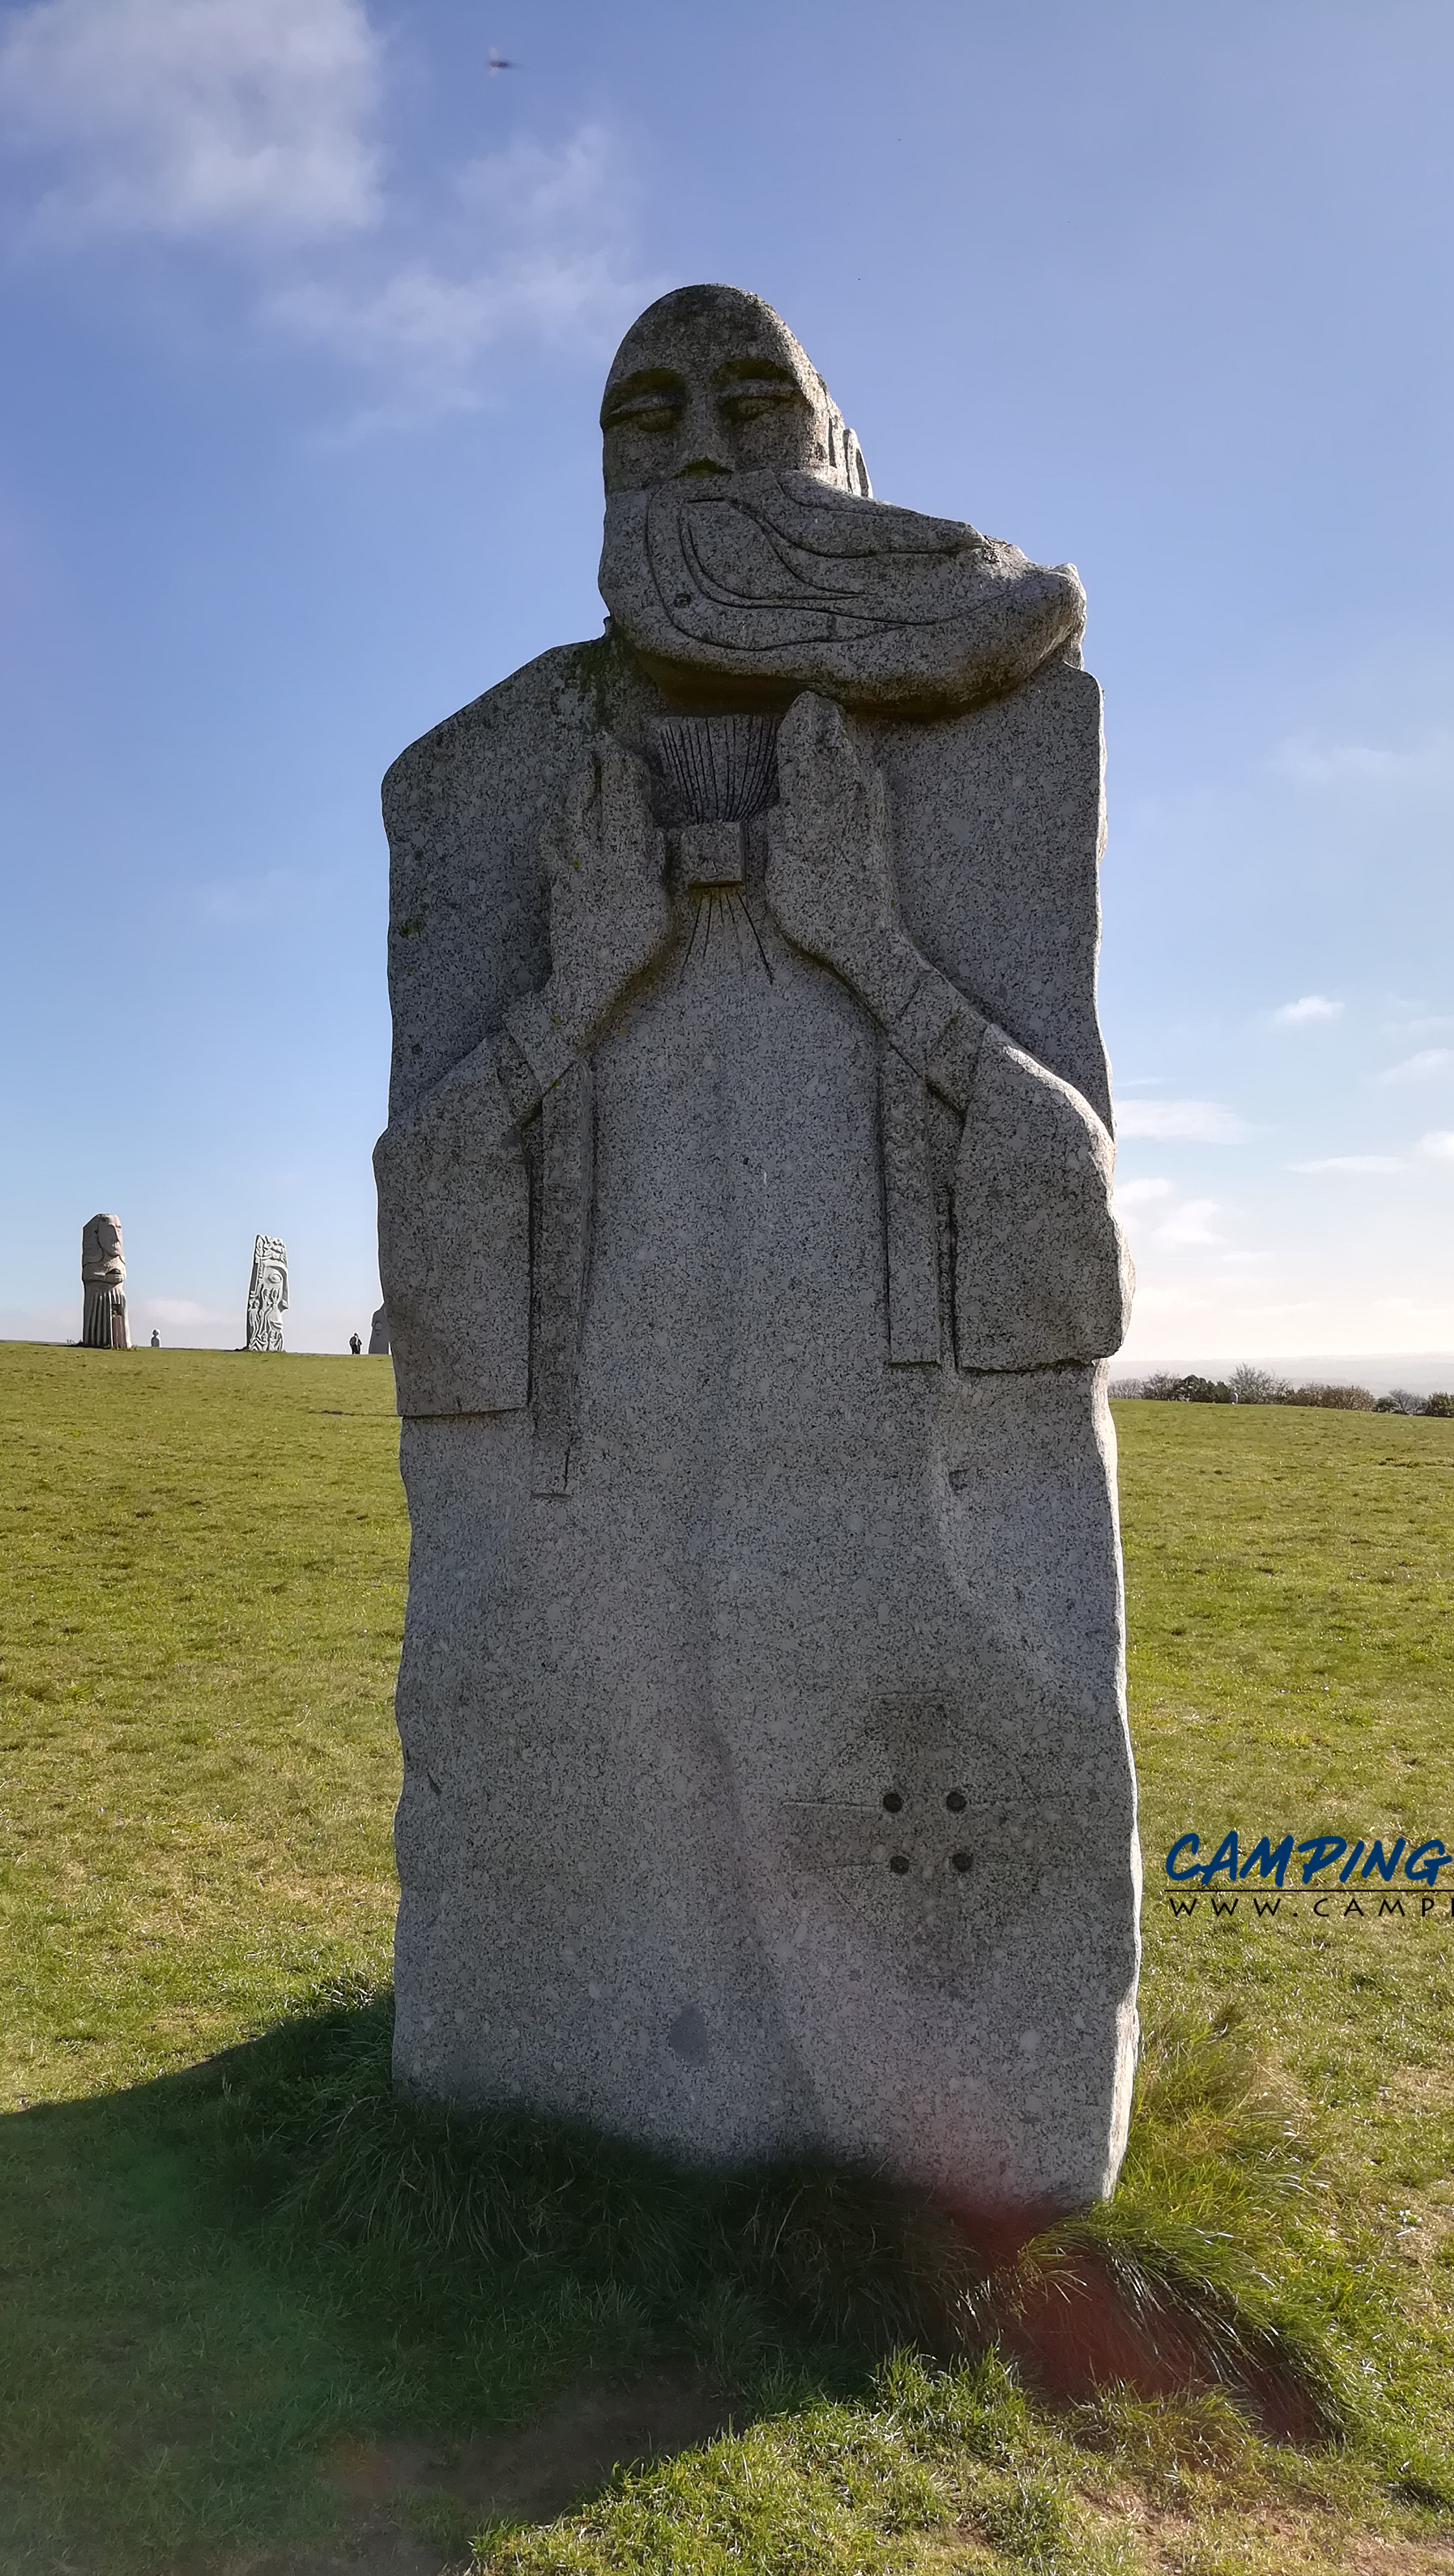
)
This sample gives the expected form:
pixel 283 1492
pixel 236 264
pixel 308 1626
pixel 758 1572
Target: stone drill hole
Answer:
pixel 899 1865
pixel 959 1861
pixel 892 1802
pixel 956 1802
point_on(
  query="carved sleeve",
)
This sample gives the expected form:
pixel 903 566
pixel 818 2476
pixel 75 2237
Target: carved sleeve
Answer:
pixel 1041 1271
pixel 1041 1274
pixel 454 1246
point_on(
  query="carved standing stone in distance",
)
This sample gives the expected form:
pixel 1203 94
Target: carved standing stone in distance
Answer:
pixel 750 1267
pixel 267 1295
pixel 103 1286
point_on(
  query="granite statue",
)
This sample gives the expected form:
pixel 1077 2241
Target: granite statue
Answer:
pixel 103 1286
pixel 750 1269
pixel 267 1295
pixel 379 1334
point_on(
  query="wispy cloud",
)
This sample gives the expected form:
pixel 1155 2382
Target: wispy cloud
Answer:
pixel 1303 1014
pixel 1351 1163
pixel 1310 763
pixel 1421 1067
pixel 252 126
pixel 1140 1194
pixel 553 261
pixel 250 118
pixel 1193 1122
pixel 1426 1024
pixel 535 241
pixel 182 1310
pixel 246 903
pixel 1191 1223
pixel 1438 1145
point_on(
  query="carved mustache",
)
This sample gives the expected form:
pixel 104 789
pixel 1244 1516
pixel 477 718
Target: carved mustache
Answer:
pixel 779 577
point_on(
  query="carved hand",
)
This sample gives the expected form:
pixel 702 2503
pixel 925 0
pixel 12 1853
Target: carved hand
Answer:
pixel 830 883
pixel 830 878
pixel 610 915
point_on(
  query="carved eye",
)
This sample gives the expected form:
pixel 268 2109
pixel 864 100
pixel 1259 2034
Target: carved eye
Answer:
pixel 652 412
pixel 752 405
pixel 961 1860
pixel 893 1803
pixel 956 1802
pixel 899 1865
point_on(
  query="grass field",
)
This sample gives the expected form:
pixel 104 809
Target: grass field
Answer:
pixel 258 2316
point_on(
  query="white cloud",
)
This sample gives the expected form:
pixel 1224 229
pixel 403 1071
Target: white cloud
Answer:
pixel 536 243
pixel 1196 1122
pixel 1438 1144
pixel 1139 1194
pixel 1300 1015
pixel 252 123
pixel 182 117
pixel 1421 1067
pixel 1351 1163
pixel 1191 1223
pixel 180 1310
pixel 1310 764
pixel 277 894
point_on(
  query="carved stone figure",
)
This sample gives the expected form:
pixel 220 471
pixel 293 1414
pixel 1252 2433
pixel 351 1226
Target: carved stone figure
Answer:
pixel 267 1295
pixel 379 1334
pixel 103 1284
pixel 745 1234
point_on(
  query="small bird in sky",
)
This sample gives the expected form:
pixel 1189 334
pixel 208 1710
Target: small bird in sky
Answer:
pixel 500 63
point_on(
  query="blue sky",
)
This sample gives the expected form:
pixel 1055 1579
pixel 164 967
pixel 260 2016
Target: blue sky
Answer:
pixel 307 316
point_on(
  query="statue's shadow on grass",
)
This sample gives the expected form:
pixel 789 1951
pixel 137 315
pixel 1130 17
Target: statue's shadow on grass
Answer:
pixel 277 2257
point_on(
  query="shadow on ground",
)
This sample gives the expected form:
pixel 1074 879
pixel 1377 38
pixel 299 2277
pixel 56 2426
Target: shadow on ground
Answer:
pixel 268 2313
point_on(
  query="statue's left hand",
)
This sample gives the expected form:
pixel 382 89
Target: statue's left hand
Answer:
pixel 830 878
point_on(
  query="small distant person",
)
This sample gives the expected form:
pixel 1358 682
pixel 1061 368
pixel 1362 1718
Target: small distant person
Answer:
pixel 156 1339
pixel 355 1345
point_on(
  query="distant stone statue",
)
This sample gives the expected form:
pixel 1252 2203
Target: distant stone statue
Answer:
pixel 267 1296
pixel 103 1283
pixel 355 1345
pixel 746 1238
pixel 156 1339
pixel 379 1334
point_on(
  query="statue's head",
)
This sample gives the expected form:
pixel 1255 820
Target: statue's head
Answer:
pixel 710 382
pixel 102 1258
pixel 745 558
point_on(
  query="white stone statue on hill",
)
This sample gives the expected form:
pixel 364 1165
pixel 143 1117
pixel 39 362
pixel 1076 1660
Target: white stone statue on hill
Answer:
pixel 267 1295
pixel 103 1286
pixel 750 1268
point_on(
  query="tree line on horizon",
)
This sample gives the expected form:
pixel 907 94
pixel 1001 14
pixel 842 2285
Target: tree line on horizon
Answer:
pixel 1249 1384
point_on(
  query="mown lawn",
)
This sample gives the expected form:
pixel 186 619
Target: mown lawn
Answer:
pixel 228 2259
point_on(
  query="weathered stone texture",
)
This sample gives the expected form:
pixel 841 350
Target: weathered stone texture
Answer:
pixel 267 1294
pixel 103 1286
pixel 750 1272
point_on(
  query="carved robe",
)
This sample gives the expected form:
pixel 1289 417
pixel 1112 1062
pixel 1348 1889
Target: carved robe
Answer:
pixel 766 1780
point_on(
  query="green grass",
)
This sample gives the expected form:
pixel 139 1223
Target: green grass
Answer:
pixel 225 2246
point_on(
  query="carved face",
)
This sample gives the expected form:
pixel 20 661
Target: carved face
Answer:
pixel 710 381
pixel 101 1254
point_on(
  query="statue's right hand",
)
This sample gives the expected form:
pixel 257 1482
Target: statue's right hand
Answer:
pixel 610 914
